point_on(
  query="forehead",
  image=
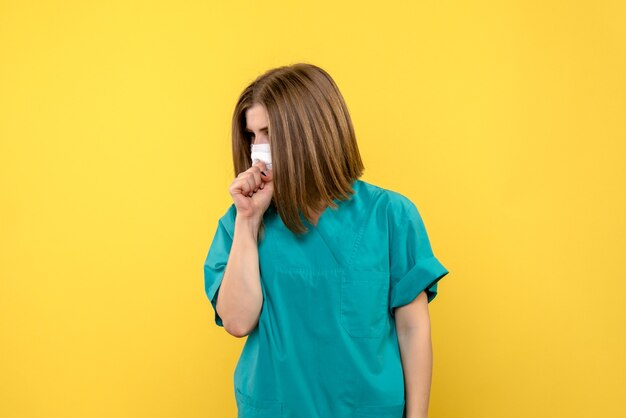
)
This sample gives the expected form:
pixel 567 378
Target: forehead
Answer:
pixel 256 117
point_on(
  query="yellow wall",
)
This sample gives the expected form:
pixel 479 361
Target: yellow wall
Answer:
pixel 503 121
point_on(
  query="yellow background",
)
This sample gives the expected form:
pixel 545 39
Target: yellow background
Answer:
pixel 503 121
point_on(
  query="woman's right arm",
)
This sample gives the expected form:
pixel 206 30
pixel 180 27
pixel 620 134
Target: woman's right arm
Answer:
pixel 240 298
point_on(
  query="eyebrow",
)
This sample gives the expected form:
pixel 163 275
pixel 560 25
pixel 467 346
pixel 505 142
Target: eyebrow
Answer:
pixel 262 129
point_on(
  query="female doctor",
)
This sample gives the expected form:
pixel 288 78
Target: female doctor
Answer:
pixel 327 275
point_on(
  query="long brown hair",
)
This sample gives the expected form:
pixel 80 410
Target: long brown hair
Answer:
pixel 315 157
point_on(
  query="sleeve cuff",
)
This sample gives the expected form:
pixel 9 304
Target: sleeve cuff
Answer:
pixel 423 276
pixel 212 292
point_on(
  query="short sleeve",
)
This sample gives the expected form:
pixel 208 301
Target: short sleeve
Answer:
pixel 413 266
pixel 217 258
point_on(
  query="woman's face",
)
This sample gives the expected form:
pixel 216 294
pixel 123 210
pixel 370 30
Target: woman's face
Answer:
pixel 256 124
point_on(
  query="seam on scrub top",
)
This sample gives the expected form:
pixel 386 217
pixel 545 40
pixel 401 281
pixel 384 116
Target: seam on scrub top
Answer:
pixel 357 242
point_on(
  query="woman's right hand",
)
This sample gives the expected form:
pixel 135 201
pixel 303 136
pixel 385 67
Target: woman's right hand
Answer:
pixel 252 191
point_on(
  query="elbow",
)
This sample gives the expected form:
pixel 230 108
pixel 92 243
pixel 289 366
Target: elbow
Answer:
pixel 236 326
pixel 237 323
pixel 236 329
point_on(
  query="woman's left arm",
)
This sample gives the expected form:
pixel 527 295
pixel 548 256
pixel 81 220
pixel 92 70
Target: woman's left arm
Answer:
pixel 413 329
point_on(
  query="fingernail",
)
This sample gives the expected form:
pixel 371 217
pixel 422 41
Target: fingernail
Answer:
pixel 263 172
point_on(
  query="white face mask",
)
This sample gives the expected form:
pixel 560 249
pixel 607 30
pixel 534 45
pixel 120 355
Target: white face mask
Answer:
pixel 261 152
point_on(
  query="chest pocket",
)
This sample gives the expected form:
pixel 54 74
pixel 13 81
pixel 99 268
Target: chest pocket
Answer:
pixel 364 301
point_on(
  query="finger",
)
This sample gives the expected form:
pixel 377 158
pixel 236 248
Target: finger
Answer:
pixel 241 186
pixel 264 171
pixel 267 175
pixel 255 171
pixel 260 165
pixel 251 184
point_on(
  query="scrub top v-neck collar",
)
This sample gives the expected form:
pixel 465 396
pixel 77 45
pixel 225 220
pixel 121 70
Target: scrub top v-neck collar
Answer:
pixel 321 219
pixel 325 226
pixel 315 229
pixel 336 229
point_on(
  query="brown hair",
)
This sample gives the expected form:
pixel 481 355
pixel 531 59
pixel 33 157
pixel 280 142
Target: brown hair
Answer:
pixel 315 157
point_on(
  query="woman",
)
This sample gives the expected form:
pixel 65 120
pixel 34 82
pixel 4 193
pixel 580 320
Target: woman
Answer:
pixel 327 275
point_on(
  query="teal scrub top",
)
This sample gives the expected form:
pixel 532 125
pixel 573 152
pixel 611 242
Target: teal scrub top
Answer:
pixel 326 345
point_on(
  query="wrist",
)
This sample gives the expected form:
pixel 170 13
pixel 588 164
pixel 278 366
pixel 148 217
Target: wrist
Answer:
pixel 248 224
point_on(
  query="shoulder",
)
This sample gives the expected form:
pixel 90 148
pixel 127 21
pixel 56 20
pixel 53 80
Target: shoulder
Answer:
pixel 396 204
